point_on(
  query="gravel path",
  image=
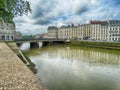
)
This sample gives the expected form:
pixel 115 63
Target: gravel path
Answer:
pixel 14 74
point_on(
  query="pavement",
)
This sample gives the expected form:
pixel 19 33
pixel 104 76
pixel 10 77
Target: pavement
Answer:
pixel 14 74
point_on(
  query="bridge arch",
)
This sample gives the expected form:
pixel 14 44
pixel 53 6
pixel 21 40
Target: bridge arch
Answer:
pixel 28 45
pixel 40 43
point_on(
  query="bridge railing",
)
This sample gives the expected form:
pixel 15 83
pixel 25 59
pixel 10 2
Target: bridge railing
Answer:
pixel 42 39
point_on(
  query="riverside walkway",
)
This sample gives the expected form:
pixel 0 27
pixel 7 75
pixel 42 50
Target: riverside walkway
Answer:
pixel 14 74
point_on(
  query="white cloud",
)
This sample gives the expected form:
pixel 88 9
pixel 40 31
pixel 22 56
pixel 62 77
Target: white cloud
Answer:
pixel 63 12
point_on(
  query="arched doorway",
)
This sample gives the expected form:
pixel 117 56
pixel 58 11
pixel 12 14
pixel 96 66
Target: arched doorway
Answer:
pixel 3 37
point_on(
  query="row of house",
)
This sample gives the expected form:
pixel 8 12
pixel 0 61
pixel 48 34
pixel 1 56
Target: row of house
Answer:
pixel 7 30
pixel 95 30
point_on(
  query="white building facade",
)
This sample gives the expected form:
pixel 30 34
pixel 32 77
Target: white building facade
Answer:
pixel 113 30
pixel 99 30
pixel 52 32
pixel 105 30
pixel 7 30
pixel 67 32
pixel 95 30
pixel 108 30
pixel 80 32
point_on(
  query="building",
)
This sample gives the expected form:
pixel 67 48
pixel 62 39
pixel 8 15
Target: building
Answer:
pixel 105 30
pixel 44 35
pixel 86 31
pixel 80 32
pixel 38 36
pixel 113 30
pixel 2 36
pixel 7 30
pixel 95 28
pixel 99 30
pixel 74 32
pixel 62 32
pixel 18 35
pixel 108 30
pixel 67 32
pixel 52 32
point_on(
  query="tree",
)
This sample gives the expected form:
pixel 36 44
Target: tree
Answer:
pixel 11 8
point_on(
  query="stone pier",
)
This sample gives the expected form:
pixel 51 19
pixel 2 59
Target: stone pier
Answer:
pixel 14 74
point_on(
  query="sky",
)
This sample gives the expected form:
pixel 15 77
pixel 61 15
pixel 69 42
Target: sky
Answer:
pixel 65 12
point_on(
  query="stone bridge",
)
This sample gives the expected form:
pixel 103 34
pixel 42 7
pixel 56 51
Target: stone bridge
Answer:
pixel 45 42
pixel 14 74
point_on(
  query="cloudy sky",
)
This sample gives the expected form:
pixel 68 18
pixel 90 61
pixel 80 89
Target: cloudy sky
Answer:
pixel 63 12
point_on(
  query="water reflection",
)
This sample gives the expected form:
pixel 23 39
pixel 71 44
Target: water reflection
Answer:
pixel 25 46
pixel 40 44
pixel 75 68
pixel 93 56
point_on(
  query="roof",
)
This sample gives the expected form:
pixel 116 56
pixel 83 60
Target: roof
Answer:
pixel 52 27
pixel 98 22
pixel 95 22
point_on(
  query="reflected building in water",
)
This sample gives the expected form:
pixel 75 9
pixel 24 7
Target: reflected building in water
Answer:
pixel 92 56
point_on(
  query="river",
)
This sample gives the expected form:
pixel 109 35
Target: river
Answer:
pixel 77 68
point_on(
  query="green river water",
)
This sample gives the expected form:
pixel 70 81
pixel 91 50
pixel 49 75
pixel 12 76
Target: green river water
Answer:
pixel 77 68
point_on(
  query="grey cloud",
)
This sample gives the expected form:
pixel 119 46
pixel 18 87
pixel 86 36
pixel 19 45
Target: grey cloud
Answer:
pixel 42 12
pixel 63 12
pixel 81 7
pixel 42 22
pixel 42 8
pixel 82 10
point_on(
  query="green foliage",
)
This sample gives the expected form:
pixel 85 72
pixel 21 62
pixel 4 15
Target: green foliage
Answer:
pixel 2 4
pixel 11 8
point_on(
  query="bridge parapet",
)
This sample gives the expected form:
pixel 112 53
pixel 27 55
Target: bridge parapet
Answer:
pixel 34 40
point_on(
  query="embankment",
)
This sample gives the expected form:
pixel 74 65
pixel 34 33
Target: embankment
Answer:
pixel 106 45
pixel 22 56
pixel 14 74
